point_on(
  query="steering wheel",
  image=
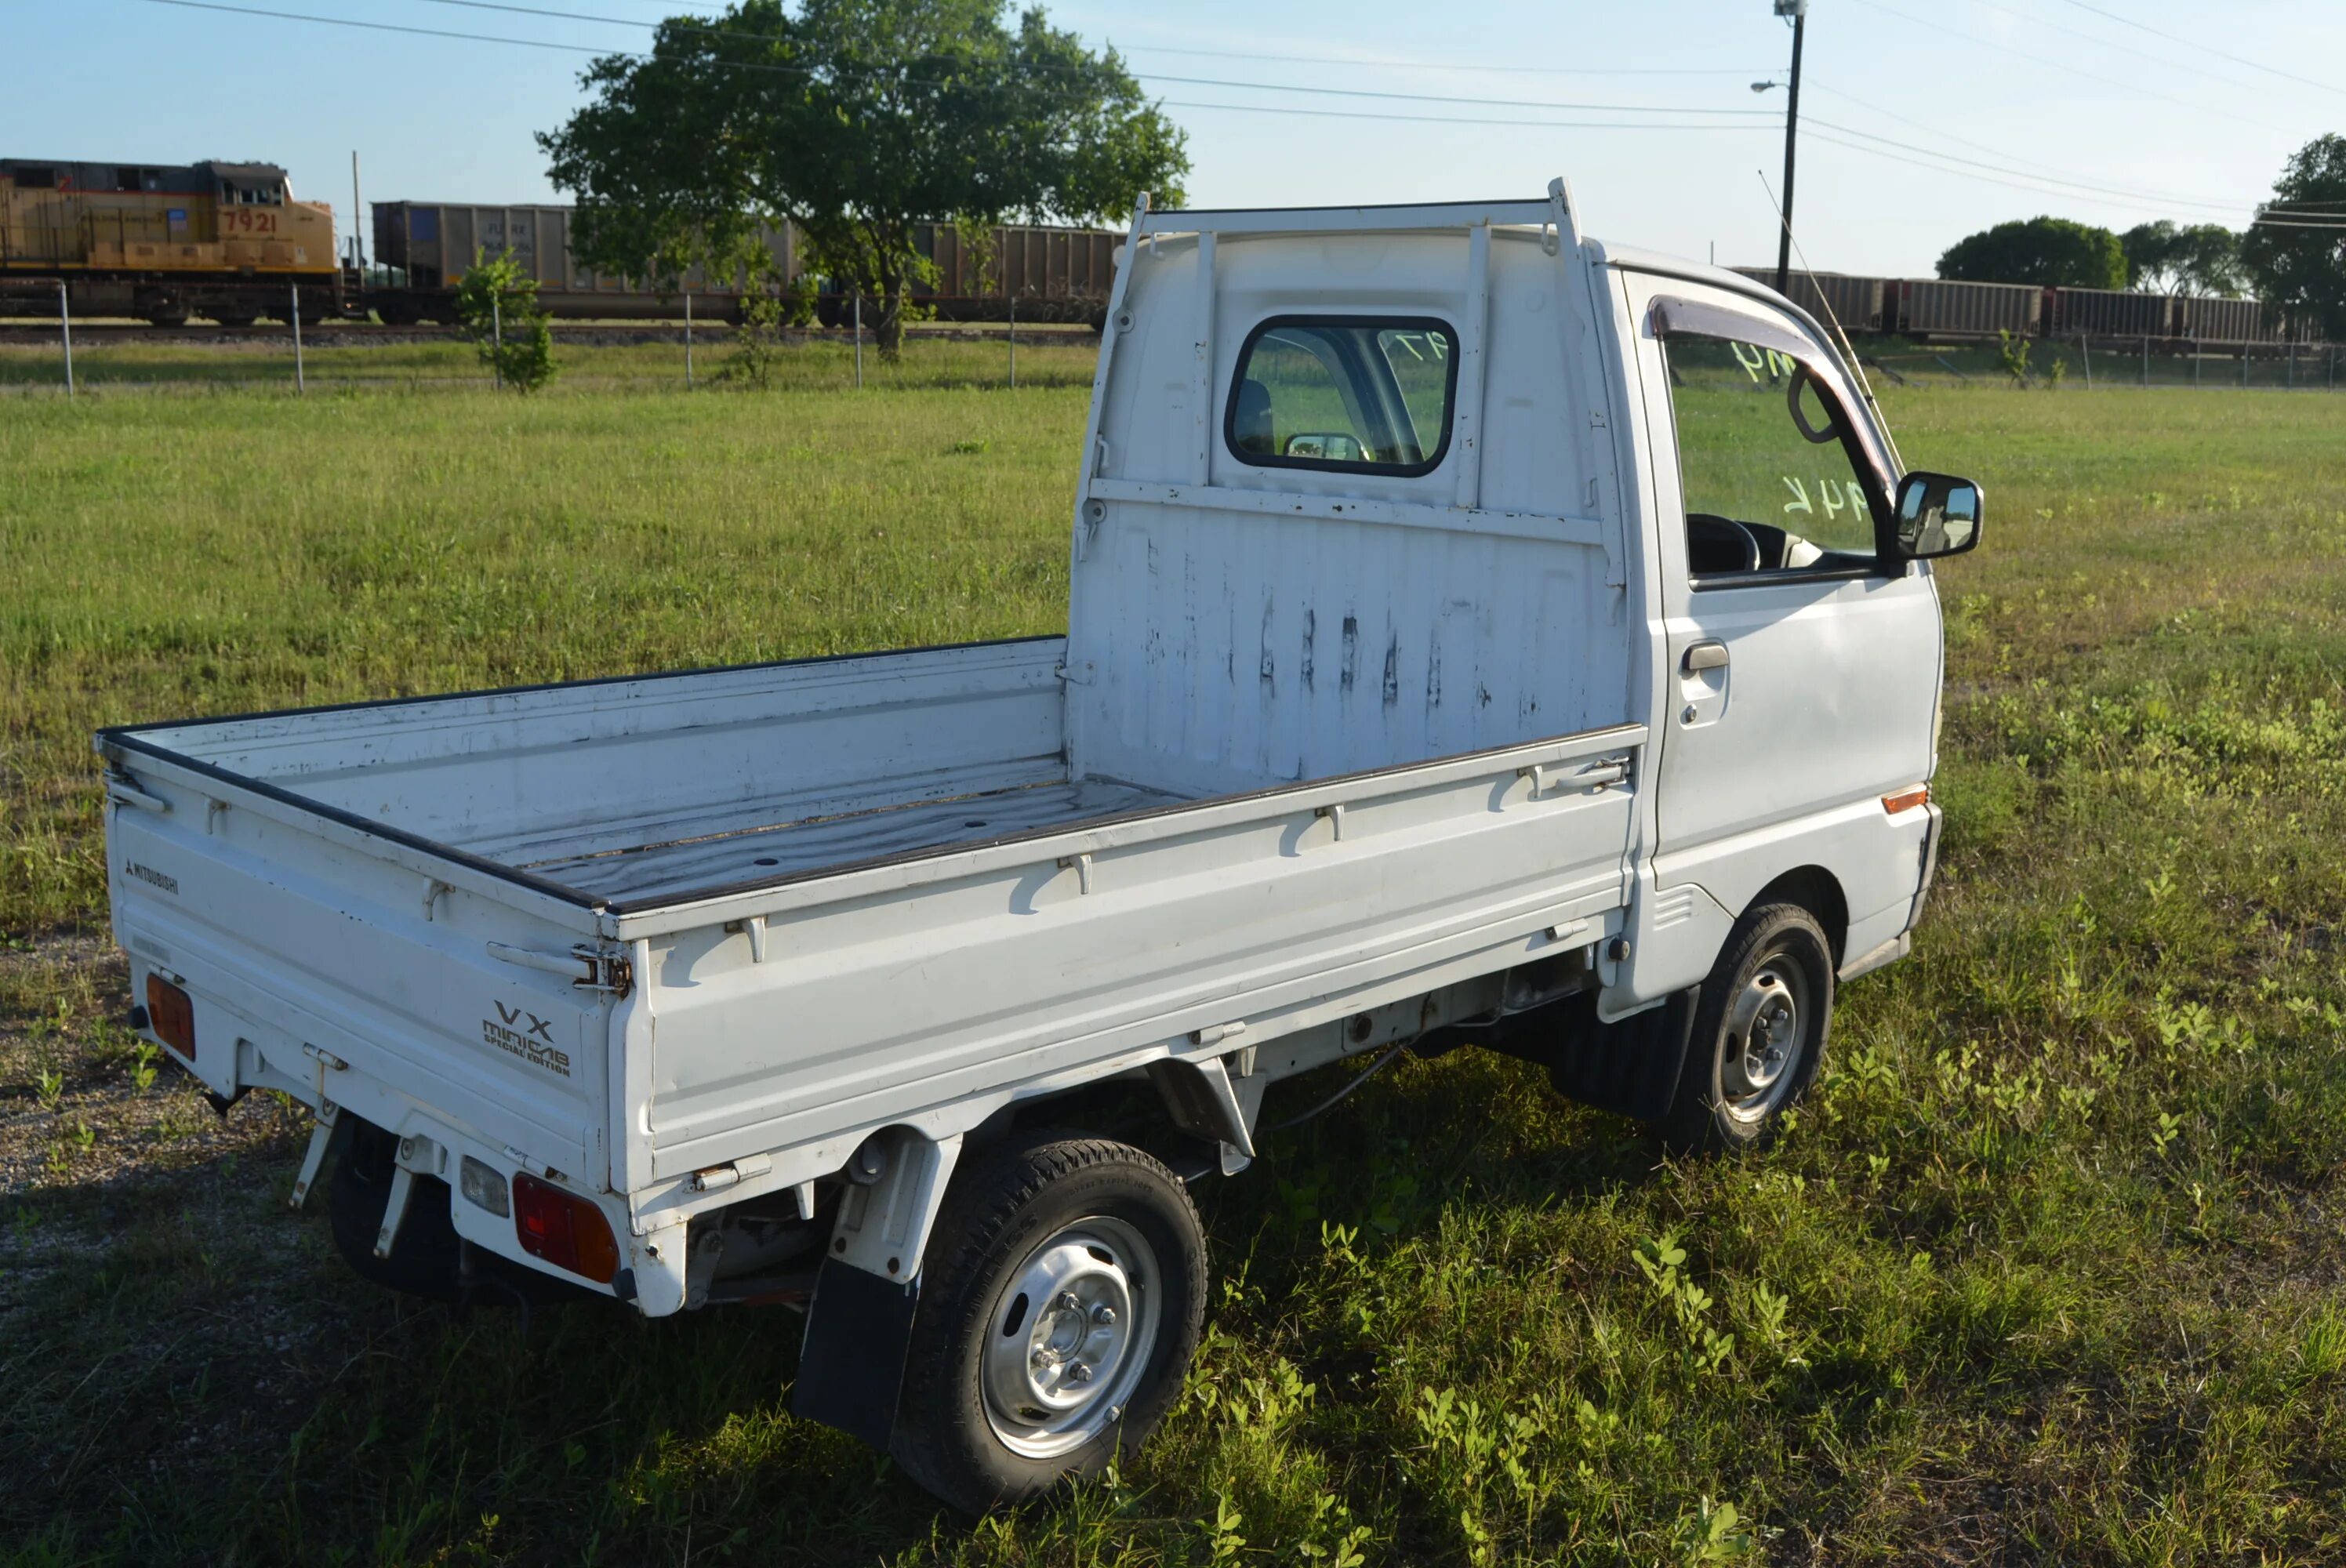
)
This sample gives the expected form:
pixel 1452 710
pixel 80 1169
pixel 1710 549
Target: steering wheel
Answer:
pixel 1727 530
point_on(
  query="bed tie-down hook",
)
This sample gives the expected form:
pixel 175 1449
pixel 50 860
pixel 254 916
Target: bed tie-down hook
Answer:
pixel 585 967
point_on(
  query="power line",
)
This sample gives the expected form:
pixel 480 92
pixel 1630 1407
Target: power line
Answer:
pixel 2200 43
pixel 1548 104
pixel 1830 140
pixel 2103 41
pixel 1462 120
pixel 2064 67
pixel 2015 180
pixel 1182 81
pixel 379 26
pixel 809 70
pixel 1161 48
pixel 1982 146
pixel 2084 187
pixel 1444 65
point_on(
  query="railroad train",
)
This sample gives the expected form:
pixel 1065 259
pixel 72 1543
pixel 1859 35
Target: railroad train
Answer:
pixel 1929 307
pixel 165 242
pixel 229 242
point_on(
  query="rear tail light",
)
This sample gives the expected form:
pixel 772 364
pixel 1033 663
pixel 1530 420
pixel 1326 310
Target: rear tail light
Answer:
pixel 171 1014
pixel 567 1232
pixel 1907 800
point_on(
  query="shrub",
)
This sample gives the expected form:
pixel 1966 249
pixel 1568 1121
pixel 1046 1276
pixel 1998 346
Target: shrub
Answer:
pixel 497 303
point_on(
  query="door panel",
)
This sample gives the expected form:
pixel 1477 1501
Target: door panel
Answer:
pixel 1797 692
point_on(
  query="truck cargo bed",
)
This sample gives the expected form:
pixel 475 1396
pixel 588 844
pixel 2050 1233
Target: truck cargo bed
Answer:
pixel 638 793
pixel 668 866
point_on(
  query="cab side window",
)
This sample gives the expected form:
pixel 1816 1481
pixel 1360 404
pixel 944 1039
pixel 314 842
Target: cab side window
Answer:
pixel 1765 464
pixel 1355 394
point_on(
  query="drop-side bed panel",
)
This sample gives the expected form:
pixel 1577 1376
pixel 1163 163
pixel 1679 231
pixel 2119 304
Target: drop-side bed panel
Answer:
pixel 539 774
pixel 896 988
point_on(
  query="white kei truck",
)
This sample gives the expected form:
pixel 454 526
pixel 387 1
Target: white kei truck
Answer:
pixel 1479 635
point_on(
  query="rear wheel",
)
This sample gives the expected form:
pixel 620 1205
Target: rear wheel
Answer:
pixel 1758 1032
pixel 423 1254
pixel 1060 1305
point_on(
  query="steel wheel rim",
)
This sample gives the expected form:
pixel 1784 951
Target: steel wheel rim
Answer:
pixel 1766 1037
pixel 1069 1336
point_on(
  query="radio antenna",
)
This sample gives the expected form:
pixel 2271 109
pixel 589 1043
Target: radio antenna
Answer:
pixel 1847 349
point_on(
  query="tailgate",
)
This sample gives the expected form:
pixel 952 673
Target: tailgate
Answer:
pixel 332 966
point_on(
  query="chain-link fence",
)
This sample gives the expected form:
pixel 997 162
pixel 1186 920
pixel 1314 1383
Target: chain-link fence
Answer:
pixel 2105 363
pixel 66 357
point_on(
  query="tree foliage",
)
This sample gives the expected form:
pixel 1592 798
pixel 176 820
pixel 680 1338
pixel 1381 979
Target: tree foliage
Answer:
pixel 2197 259
pixel 496 301
pixel 858 120
pixel 2047 251
pixel 2302 269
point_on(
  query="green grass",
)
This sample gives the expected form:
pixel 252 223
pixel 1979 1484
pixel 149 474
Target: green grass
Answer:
pixel 2047 1270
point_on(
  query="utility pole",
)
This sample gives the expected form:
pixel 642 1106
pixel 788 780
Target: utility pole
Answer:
pixel 1798 10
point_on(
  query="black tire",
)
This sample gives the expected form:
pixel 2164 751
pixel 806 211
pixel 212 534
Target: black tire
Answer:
pixel 1024 1204
pixel 1759 1033
pixel 424 1254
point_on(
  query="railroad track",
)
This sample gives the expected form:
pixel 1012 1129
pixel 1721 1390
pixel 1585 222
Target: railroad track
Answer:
pixel 23 329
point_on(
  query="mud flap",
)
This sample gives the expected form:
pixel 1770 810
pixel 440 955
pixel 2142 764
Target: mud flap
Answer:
pixel 1631 1066
pixel 859 1327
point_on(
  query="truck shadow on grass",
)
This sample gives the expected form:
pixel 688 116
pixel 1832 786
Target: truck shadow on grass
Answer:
pixel 183 1316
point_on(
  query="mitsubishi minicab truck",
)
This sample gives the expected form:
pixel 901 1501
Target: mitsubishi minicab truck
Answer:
pixel 1479 635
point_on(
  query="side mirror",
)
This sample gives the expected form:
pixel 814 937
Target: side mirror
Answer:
pixel 1937 515
pixel 1330 447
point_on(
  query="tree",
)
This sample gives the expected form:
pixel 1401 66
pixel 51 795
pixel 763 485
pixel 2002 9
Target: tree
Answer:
pixel 2297 267
pixel 2048 250
pixel 2203 259
pixel 497 303
pixel 858 120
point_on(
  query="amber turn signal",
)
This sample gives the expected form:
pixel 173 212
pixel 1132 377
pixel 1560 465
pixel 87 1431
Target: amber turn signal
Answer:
pixel 1907 800
pixel 171 1014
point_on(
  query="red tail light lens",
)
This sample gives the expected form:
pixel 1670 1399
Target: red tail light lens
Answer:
pixel 567 1232
pixel 171 1015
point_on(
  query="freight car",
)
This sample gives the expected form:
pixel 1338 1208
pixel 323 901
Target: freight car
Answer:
pixel 1055 273
pixel 2109 312
pixel 165 242
pixel 429 244
pixel 1052 274
pixel 1855 303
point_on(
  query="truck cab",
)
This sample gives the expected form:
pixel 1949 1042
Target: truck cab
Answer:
pixel 1477 635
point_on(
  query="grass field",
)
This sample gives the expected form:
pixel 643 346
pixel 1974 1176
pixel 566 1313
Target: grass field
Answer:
pixel 2047 1272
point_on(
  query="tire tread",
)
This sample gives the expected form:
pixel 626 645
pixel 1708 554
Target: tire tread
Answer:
pixel 1692 1124
pixel 986 1200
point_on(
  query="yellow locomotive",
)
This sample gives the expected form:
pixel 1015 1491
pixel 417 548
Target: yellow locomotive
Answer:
pixel 223 240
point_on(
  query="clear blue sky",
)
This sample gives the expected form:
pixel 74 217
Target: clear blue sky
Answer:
pixel 2043 91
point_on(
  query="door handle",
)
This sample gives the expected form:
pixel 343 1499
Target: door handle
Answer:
pixel 1704 655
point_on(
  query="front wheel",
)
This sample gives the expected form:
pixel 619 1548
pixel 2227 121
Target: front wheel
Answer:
pixel 1758 1032
pixel 1060 1305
